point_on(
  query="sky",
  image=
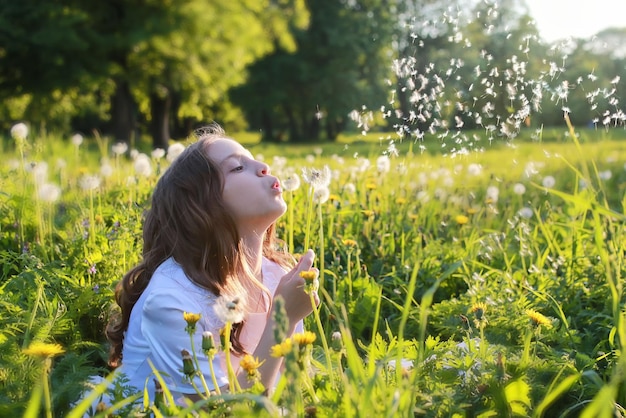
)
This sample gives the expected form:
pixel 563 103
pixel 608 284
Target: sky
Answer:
pixel 558 19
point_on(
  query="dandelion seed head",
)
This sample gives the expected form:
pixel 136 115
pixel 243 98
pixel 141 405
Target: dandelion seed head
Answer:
pixel 142 165
pixel 77 140
pixel 157 153
pixel 19 131
pixel 49 193
pixel 89 182
pixel 174 150
pixel 519 189
pixel 317 178
pixel 321 195
pixel 119 148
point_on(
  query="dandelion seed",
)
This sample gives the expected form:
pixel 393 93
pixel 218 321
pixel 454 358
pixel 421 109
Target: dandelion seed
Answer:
pixel 605 175
pixel 19 131
pixel 474 169
pixel 229 309
pixel 519 189
pixel 43 350
pixel 174 150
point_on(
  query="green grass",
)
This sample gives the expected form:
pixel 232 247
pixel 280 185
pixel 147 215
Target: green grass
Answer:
pixel 422 264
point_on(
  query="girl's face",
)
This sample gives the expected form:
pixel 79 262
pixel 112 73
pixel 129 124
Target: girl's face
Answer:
pixel 253 196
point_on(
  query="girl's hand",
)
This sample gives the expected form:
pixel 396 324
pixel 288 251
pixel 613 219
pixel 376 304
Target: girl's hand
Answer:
pixel 291 288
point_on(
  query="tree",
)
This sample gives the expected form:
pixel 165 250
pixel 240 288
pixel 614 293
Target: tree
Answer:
pixel 340 64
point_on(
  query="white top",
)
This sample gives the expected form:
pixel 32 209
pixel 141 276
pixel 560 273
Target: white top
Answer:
pixel 156 330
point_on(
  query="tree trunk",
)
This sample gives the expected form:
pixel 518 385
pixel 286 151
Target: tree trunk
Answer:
pixel 160 123
pixel 267 127
pixel 122 112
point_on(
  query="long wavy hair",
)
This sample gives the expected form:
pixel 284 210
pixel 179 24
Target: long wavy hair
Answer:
pixel 188 221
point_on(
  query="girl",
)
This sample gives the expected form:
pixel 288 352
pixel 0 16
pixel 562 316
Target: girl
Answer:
pixel 209 241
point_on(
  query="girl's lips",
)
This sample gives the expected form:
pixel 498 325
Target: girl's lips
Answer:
pixel 276 186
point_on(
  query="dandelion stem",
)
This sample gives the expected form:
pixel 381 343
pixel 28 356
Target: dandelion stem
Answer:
pixel 321 254
pixel 233 383
pixel 213 378
pixel 46 387
pixel 320 329
pixel 309 215
pixel 198 369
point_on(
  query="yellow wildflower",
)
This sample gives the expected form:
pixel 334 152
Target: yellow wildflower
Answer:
pixel 538 319
pixel 250 364
pixel 333 197
pixel 472 210
pixel 412 216
pixel 370 186
pixel 304 338
pixel 308 275
pixel 461 219
pixel 400 201
pixel 282 349
pixel 43 350
pixel 349 243
pixel 369 213
pixel 191 318
pixel 479 309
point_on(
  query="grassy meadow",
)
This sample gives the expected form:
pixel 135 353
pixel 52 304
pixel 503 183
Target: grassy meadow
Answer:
pixel 488 284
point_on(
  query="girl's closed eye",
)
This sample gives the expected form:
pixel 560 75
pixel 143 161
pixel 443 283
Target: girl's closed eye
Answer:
pixel 238 168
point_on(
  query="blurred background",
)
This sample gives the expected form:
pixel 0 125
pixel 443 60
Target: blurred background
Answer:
pixel 296 70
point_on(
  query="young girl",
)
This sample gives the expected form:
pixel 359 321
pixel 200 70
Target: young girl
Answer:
pixel 209 240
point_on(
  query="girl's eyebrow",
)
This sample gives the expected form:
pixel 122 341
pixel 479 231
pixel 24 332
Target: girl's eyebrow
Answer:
pixel 236 155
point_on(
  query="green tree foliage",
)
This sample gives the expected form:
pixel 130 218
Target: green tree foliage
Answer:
pixel 341 63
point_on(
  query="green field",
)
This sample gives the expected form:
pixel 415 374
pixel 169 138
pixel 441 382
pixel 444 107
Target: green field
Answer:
pixel 495 278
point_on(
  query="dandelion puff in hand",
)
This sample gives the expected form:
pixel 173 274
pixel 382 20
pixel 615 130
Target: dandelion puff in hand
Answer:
pixel 229 309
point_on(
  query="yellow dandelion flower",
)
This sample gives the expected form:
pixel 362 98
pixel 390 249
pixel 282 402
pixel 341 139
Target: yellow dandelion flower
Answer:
pixel 538 319
pixel 461 219
pixel 304 338
pixel 308 275
pixel 412 216
pixel 282 349
pixel 369 213
pixel 250 364
pixel 333 197
pixel 472 210
pixel 99 219
pixel 479 309
pixel 43 350
pixel 370 186
pixel 191 318
pixel 400 201
pixel 349 243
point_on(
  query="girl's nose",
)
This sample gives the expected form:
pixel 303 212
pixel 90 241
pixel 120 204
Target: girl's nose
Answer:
pixel 264 169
